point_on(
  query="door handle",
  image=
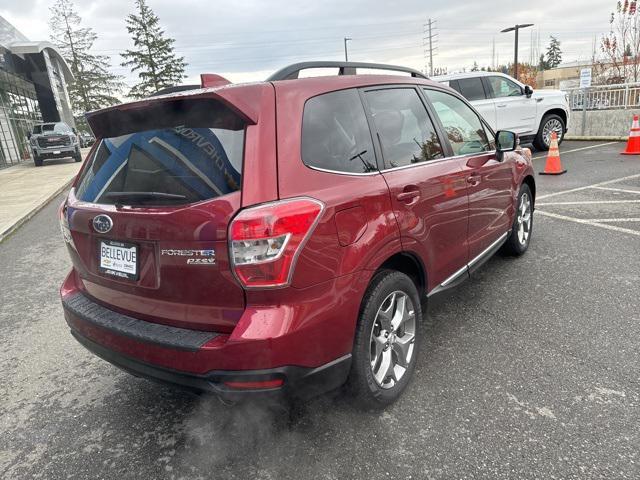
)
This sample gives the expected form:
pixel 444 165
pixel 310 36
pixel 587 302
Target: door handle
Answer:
pixel 502 105
pixel 408 196
pixel 474 179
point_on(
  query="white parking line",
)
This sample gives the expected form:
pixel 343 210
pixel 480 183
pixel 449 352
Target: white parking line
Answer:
pixel 589 202
pixel 576 149
pixel 578 189
pixel 624 190
pixel 589 222
pixel 614 220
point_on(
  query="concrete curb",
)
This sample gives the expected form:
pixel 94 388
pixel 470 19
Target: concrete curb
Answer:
pixel 25 218
pixel 596 139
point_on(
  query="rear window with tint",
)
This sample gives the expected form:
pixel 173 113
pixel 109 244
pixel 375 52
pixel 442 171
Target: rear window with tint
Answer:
pixel 471 88
pixel 335 134
pixel 184 163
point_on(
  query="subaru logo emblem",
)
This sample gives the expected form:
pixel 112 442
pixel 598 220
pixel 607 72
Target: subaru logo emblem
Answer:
pixel 102 223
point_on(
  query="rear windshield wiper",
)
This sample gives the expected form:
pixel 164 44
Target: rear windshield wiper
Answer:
pixel 143 196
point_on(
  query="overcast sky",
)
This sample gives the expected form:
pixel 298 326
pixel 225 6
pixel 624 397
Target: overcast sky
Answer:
pixel 247 40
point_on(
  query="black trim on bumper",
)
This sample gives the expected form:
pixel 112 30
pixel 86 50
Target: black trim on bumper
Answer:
pixel 299 382
pixel 140 330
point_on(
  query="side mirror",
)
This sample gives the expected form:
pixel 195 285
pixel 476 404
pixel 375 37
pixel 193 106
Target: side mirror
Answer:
pixel 528 91
pixel 506 141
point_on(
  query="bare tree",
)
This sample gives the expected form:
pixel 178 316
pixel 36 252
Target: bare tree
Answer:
pixel 621 46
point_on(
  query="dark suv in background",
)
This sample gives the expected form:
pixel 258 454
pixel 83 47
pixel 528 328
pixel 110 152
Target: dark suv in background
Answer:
pixel 278 238
pixel 54 140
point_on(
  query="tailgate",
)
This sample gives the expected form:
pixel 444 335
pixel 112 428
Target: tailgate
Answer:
pixel 149 213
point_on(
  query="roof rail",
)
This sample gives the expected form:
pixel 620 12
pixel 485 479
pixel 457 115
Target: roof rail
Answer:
pixel 291 72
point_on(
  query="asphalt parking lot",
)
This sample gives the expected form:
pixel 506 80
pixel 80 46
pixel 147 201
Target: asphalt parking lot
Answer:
pixel 529 370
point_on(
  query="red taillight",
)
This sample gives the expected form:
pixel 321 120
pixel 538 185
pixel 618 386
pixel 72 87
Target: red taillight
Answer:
pixel 64 224
pixel 265 240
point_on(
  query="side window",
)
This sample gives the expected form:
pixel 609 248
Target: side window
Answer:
pixel 455 85
pixel 471 88
pixel 407 135
pixel 335 133
pixel 464 128
pixel 503 87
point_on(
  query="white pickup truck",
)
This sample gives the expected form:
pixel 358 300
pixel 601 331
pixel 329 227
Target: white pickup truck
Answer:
pixel 510 105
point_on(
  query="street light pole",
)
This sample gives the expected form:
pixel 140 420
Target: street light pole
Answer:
pixel 515 29
pixel 346 55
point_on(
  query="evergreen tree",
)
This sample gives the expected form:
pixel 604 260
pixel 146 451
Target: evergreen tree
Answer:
pixel 543 65
pixel 152 56
pixel 554 54
pixel 475 67
pixel 94 86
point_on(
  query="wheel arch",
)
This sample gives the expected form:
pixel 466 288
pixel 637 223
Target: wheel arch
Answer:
pixel 409 264
pixel 555 111
pixel 531 183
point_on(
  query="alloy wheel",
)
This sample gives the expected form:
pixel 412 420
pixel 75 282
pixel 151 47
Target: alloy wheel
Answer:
pixel 392 340
pixel 524 219
pixel 553 125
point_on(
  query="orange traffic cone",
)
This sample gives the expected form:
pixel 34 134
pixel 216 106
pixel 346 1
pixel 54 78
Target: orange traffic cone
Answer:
pixel 633 144
pixel 553 166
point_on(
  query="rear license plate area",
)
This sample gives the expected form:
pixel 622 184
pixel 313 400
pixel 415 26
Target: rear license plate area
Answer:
pixel 118 259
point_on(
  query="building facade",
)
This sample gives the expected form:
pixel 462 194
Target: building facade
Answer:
pixel 33 89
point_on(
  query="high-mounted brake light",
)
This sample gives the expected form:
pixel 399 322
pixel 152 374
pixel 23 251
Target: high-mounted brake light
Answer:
pixel 265 241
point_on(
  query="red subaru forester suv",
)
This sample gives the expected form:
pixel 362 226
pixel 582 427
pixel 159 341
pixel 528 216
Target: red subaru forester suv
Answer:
pixel 277 238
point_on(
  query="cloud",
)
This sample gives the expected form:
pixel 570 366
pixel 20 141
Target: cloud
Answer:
pixel 248 37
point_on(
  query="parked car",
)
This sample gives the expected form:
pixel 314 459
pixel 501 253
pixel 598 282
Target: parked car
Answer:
pixel 86 139
pixel 54 140
pixel 278 238
pixel 510 105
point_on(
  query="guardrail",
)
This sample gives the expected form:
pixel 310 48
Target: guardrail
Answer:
pixel 604 97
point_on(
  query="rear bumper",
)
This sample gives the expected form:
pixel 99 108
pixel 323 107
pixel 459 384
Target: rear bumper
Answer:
pixel 306 344
pixel 298 382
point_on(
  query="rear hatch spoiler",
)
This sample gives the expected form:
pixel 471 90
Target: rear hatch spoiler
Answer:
pixel 240 101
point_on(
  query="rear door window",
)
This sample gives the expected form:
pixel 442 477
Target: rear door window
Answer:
pixel 184 163
pixel 407 135
pixel 471 88
pixel 465 131
pixel 335 134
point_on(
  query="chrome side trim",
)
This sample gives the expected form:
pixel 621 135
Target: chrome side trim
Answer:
pixel 454 276
pixel 437 160
pixel 337 172
pixel 477 261
pixel 488 250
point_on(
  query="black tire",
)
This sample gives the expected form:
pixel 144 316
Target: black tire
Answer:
pixel 366 392
pixel 514 245
pixel 77 156
pixel 540 141
pixel 37 160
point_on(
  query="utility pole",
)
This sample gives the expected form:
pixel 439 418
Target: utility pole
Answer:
pixel 515 29
pixel 428 43
pixel 493 53
pixel 346 55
